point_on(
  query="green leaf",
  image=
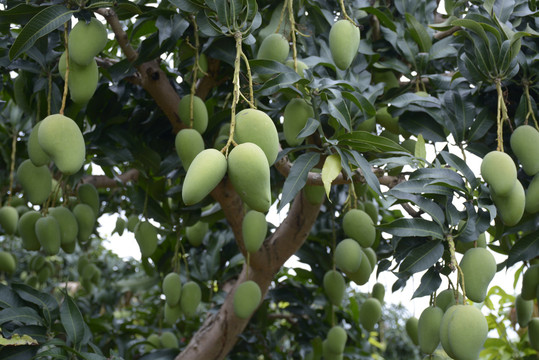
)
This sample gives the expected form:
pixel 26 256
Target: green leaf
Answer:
pixel 503 9
pixel 25 315
pixel 361 102
pixel 459 164
pixel 8 298
pixel 524 249
pixel 363 141
pixel 429 206
pixel 338 109
pixel 416 227
pixel 17 340
pixel 18 14
pixel 309 128
pixel 40 25
pixel 331 169
pixel 298 177
pixel 420 150
pixel 419 34
pixel 430 282
pixel 366 170
pixel 186 5
pixel 72 321
pixel 384 19
pixel 47 303
pixel 422 257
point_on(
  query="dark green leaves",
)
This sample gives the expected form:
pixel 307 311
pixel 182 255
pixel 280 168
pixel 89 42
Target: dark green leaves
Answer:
pixel 422 257
pixel 413 227
pixel 524 249
pixel 298 176
pixel 72 321
pixel 430 282
pixel 363 141
pixel 24 315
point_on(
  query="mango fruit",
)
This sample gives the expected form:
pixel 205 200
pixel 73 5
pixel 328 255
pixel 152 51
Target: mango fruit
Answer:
pixel 301 66
pixel 444 330
pixel 86 220
pixel 119 227
pixel 195 234
pixel 246 299
pixel 172 313
pixel 48 234
pixel 8 264
pixel 387 77
pixel 69 227
pixel 327 354
pixel 532 196
pixel 499 171
pixel 168 340
pixel 82 80
pixel 362 275
pixel 9 217
pixel 524 309
pixel 153 343
pixel 428 329
pixel 462 247
pixel 334 286
pixel 249 173
pixel 256 127
pixel 36 181
pixel 530 282
pixel 390 123
pixel 132 221
pixel 448 298
pixel 411 329
pixel 190 298
pixel 146 236
pixel 466 330
pixel 172 288
pixel 27 230
pixel 336 339
pixel 200 113
pixel 315 194
pixel 273 47
pixel 378 292
pixel 533 333
pixel 370 313
pixel 254 229
pixel 371 256
pixel 296 114
pixel 358 225
pixel 511 206
pixel 525 145
pixel 479 267
pixel 189 144
pixel 343 43
pixel 86 40
pixel 205 172
pixel 371 210
pixel 87 194
pixel 61 139
pixel 348 255
pixel 35 152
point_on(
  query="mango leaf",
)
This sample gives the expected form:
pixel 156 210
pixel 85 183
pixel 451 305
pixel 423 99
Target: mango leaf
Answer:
pixel 366 170
pixel 363 141
pixel 8 298
pixel 18 14
pixel 416 227
pixel 384 19
pixel 47 303
pixel 524 249
pixel 460 165
pixel 503 9
pixel 422 257
pixel 18 340
pixel 429 206
pixel 186 5
pixel 309 128
pixel 430 282
pixel 361 102
pixel 419 34
pixel 44 22
pixel 72 320
pixel 25 315
pixel 419 150
pixel 331 169
pixel 339 110
pixel 298 176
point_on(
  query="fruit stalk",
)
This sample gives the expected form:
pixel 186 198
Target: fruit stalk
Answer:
pixel 290 5
pixel 195 71
pixel 66 78
pixel 501 114
pixel 344 14
pixel 251 100
pixel 455 265
pixel 12 168
pixel 529 105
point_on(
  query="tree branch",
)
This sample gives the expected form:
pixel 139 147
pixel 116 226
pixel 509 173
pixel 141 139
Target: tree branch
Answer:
pixel 444 34
pixel 103 181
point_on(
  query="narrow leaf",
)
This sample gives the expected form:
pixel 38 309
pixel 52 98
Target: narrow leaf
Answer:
pixel 331 169
pixel 422 257
pixel 419 34
pixel 413 228
pixel 366 171
pixel 72 321
pixel 429 206
pixel 420 151
pixel 430 282
pixel 524 249
pixel 298 176
pixel 25 315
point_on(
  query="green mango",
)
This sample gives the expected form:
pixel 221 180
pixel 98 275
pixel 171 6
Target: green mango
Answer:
pixel 301 66
pixel 273 47
pixel 336 339
pixel 49 235
pixel 69 248
pixel 371 210
pixel 200 113
pixel 411 329
pixel 446 299
pixel 27 226
pixel 511 206
pixel 8 264
pixel 36 181
pixel 378 292
pixel 254 229
pixel 132 222
pixel 467 331
pixel 348 255
pixel 533 333
pixel 69 227
pixel 390 123
pixel 428 329
pixel 154 342
pixel 296 114
pixel 35 152
pixel 190 298
pixel 315 194
pixel 86 220
pixel 387 77
pixel 172 288
pixel 358 225
pixel 86 40
pixel 525 145
pixel 172 313
pixel 249 173
pixel 82 80
pixel 334 287
pixel 444 329
pixel 371 256
pixel 370 313
pixel 120 226
pixel 363 274
pixel 146 236
pixel 284 27
pixel 168 340
pixel 205 172
pixel 246 299
pixel 195 234
pixel 61 139
pixel 368 125
pixel 524 309
pixel 189 144
pixel 9 218
pixel 479 267
pixel 343 43
pixel 328 355
pixel 256 127
pixel 87 194
pixel 532 196
pixel 462 247
pixel 530 282
pixel 499 171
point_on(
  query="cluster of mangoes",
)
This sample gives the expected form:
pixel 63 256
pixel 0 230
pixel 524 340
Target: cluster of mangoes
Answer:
pixel 39 270
pixel 85 41
pixel 167 340
pixel 180 298
pixel 89 273
pixel 500 172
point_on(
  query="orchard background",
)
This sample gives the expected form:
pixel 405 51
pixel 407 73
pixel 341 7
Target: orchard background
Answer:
pixel 458 75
